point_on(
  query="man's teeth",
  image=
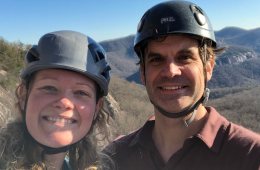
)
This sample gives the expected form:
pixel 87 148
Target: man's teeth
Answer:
pixel 172 88
pixel 61 120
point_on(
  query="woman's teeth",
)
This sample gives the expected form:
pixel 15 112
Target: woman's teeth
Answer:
pixel 60 120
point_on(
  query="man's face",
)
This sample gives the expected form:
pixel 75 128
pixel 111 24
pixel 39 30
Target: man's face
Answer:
pixel 173 73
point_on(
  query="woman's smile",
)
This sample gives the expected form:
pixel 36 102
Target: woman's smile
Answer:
pixel 59 120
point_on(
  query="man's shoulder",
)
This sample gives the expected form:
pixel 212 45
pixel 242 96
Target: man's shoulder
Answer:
pixel 235 132
pixel 238 132
pixel 244 139
pixel 121 144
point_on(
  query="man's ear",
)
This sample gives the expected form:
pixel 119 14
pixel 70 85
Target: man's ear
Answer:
pixel 142 76
pixel 209 68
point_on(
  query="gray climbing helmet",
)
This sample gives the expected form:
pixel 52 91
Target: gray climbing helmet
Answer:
pixel 71 51
pixel 173 17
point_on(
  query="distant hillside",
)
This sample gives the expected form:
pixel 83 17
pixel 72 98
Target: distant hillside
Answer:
pixel 121 56
pixel 239 37
pixel 239 105
pixel 230 32
pixel 238 65
pixel 246 73
pixel 235 94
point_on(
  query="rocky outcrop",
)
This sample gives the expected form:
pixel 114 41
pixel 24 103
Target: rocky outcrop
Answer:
pixel 236 57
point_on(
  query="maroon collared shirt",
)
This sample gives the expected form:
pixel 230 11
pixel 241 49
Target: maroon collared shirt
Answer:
pixel 220 145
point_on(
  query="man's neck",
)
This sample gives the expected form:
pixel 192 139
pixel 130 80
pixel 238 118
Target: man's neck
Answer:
pixel 169 134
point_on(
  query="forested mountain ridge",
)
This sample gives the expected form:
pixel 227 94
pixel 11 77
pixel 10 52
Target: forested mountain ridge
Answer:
pixel 238 65
pixel 235 87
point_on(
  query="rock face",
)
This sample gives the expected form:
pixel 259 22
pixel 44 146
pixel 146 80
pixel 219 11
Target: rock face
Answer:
pixel 6 106
pixel 235 55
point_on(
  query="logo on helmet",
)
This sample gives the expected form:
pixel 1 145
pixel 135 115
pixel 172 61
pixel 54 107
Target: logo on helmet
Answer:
pixel 167 20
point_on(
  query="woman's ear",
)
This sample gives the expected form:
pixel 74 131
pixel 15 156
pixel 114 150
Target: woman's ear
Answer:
pixel 22 104
pixel 98 107
pixel 22 97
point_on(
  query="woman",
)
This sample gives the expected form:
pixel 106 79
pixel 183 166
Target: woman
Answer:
pixel 60 100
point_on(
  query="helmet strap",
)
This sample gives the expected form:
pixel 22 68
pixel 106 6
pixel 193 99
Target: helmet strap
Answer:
pixel 191 109
pixel 189 120
pixel 49 150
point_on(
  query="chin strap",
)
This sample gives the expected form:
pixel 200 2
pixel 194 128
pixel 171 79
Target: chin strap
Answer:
pixel 47 149
pixel 188 121
pixel 205 100
pixel 191 109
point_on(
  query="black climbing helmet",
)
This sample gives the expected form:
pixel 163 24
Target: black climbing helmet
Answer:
pixel 71 51
pixel 173 17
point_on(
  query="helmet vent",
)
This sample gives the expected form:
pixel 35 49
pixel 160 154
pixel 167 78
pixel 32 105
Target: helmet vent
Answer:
pixel 100 55
pixel 198 15
pixel 32 55
pixel 96 52
pixel 105 72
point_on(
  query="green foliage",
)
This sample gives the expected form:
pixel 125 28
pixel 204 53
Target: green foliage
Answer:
pixel 134 103
pixel 11 61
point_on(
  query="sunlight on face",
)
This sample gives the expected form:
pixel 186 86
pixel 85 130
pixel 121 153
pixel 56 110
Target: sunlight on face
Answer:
pixel 173 74
pixel 61 107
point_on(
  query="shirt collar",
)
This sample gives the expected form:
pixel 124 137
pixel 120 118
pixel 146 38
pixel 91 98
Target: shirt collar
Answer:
pixel 212 133
pixel 214 129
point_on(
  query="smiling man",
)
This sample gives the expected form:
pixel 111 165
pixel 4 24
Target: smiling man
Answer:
pixel 177 48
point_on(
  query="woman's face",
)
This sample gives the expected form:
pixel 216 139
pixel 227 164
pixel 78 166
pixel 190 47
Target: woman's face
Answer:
pixel 61 107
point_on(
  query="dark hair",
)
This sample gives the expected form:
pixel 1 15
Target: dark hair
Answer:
pixel 205 47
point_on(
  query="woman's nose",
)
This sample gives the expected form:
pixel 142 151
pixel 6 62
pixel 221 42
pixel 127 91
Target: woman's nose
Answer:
pixel 64 103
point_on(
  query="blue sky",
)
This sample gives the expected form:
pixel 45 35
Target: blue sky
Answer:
pixel 27 20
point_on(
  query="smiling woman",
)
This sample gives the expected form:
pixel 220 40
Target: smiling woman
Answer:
pixel 60 100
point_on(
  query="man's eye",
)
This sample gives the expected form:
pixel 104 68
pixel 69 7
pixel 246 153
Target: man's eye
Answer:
pixel 155 60
pixel 184 58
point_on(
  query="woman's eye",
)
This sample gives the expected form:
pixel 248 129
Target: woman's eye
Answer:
pixel 81 93
pixel 49 89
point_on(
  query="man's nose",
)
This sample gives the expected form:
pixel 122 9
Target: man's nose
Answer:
pixel 171 69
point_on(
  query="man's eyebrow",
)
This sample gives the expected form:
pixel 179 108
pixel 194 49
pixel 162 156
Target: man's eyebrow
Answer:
pixel 151 54
pixel 185 51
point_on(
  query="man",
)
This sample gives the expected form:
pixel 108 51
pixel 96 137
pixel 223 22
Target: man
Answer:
pixel 176 46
